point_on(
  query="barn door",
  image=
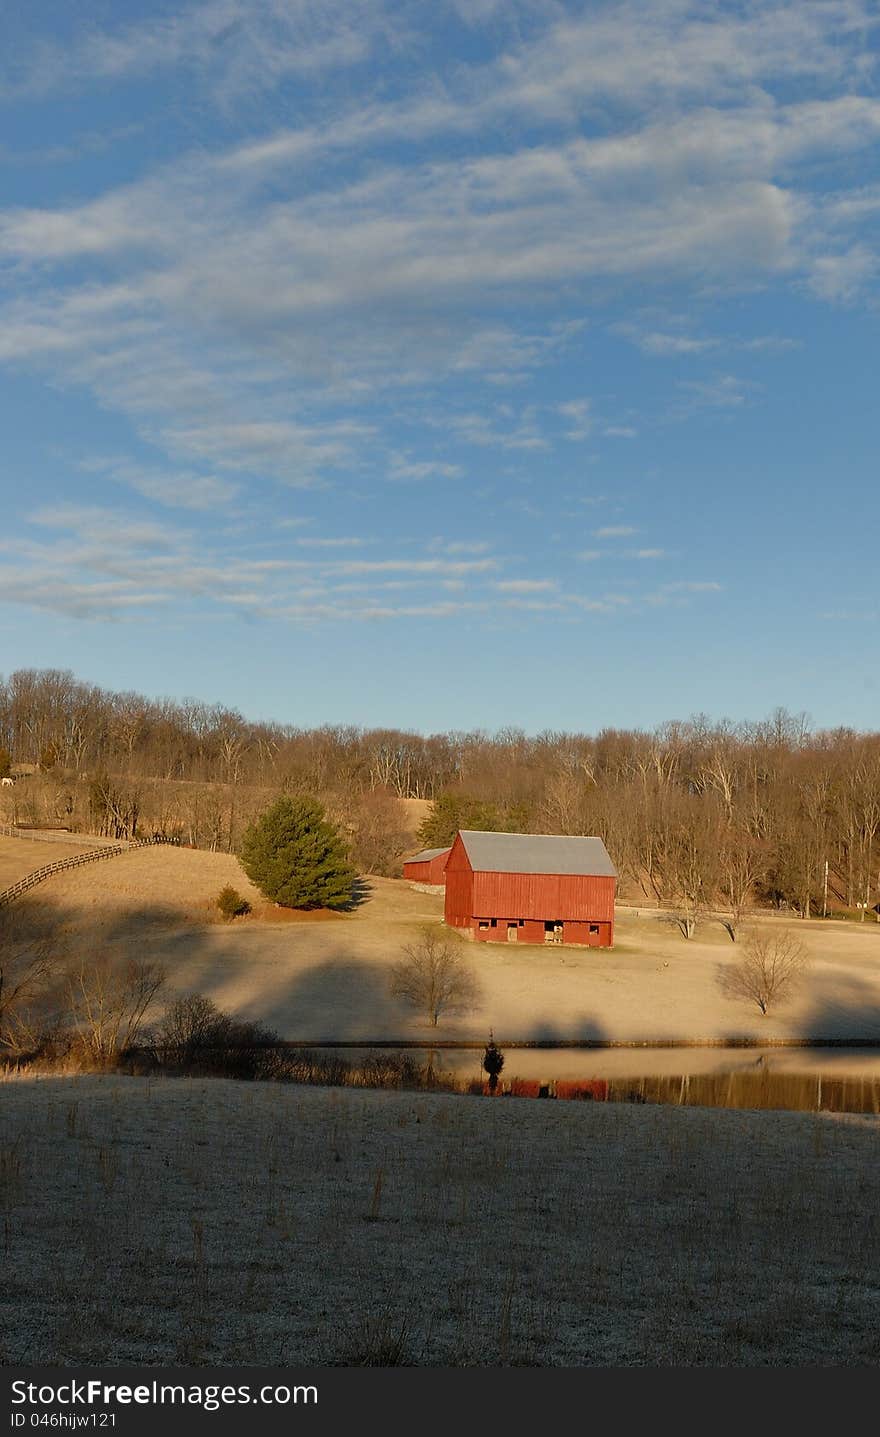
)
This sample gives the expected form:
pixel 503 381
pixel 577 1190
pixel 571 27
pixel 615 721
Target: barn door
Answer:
pixel 512 933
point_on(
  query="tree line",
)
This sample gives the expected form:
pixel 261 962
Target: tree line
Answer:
pixel 696 813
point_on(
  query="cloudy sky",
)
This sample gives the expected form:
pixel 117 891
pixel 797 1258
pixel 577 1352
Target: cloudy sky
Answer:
pixel 444 363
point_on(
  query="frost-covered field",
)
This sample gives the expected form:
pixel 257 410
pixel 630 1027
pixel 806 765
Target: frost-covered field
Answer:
pixel 209 1222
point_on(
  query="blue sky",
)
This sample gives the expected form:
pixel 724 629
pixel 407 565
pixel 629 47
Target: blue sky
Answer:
pixel 444 364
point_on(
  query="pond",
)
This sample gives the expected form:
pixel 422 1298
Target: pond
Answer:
pixel 834 1079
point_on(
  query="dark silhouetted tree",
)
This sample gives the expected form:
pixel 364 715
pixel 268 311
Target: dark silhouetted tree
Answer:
pixel 493 1062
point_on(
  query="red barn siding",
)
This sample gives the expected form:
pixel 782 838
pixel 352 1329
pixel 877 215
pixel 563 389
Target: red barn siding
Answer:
pixel 579 901
pixel 459 911
pixel 573 896
pixel 431 871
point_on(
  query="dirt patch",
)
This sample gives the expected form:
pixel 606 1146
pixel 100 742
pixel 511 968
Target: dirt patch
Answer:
pixel 275 913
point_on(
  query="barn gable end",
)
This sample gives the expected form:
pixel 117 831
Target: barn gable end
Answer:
pixel 531 888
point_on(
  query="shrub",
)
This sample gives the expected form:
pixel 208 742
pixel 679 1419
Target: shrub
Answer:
pixel 231 903
pixel 194 1035
pixel 296 858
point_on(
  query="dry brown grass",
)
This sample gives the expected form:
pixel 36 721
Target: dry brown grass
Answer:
pixel 313 976
pixel 20 856
pixel 218 1223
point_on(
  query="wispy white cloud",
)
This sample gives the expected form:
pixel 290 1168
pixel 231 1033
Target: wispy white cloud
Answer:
pixel 845 275
pixel 526 586
pixel 503 430
pixel 460 546
pixel 722 391
pixel 403 468
pixel 692 586
pixel 341 543
pixel 579 413
pixel 175 489
pixel 344 301
pixel 672 344
pixel 237 46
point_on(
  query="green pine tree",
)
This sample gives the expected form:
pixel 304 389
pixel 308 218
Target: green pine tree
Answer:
pixel 296 858
pixel 451 811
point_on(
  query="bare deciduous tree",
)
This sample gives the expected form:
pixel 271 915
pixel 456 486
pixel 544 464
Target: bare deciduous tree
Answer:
pixel 771 964
pixel 189 1025
pixel 742 865
pixel 109 1000
pixel 30 967
pixel 434 975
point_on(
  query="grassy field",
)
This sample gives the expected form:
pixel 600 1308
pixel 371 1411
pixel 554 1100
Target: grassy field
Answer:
pixel 20 856
pixel 325 976
pixel 199 1222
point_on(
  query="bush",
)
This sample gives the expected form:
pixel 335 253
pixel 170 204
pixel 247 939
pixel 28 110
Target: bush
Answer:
pixel 231 903
pixel 298 859
pixel 195 1036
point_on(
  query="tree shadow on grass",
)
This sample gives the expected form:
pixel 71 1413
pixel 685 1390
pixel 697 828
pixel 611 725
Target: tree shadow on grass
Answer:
pixel 361 892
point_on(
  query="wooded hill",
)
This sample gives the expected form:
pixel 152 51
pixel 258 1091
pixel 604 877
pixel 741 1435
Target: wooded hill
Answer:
pixel 696 813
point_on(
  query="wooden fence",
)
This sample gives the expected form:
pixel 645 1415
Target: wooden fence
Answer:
pixel 48 870
pixel 52 835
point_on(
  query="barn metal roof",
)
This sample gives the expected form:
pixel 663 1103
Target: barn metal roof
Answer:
pixel 536 853
pixel 426 854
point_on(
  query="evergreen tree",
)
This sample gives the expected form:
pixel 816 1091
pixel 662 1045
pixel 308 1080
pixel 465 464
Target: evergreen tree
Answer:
pixel 296 858
pixel 451 811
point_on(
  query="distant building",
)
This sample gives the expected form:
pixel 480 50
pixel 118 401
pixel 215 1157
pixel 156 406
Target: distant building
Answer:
pixel 427 867
pixel 531 888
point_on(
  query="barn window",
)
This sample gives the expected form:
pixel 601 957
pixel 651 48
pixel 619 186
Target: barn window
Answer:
pixel 484 925
pixel 494 923
pixel 594 928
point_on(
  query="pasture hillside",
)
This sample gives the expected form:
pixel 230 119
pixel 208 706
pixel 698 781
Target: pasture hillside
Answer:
pixel 202 1222
pixel 314 976
pixel 20 856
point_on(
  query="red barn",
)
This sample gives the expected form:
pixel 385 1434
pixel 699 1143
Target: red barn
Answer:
pixel 427 867
pixel 531 888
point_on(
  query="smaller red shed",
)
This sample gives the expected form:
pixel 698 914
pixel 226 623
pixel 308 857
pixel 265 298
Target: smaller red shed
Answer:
pixel 429 866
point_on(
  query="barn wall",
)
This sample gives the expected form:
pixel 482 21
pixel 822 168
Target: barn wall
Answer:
pixel 532 931
pixel 580 933
pixel 437 868
pixel 459 908
pixel 584 898
pixel 417 872
pixel 431 870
